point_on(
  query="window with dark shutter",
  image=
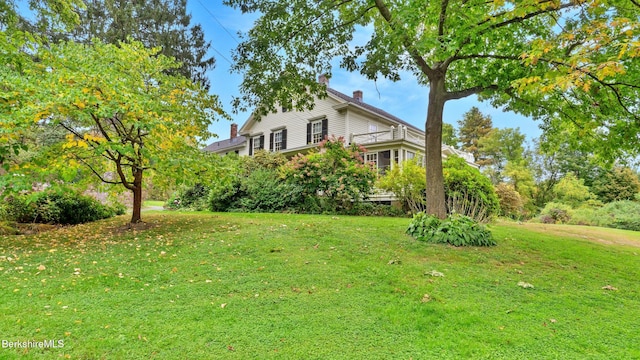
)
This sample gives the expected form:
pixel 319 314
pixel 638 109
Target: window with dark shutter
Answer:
pixel 250 146
pixel 271 142
pixel 309 133
pixel 261 142
pixel 325 128
pixel 284 139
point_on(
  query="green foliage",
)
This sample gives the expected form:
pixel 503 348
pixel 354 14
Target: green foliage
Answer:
pixel 335 175
pixel 449 135
pixel 620 183
pixel 511 204
pixel 556 213
pixel 468 192
pixel 192 198
pixel 571 191
pixel 58 206
pixel 407 182
pixel 456 230
pixel 475 126
pixel 371 209
pixel 264 191
pixel 623 214
pixel 123 113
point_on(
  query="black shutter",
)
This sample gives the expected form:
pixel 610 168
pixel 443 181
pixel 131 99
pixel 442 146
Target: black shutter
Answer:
pixel 325 128
pixel 261 142
pixel 250 146
pixel 284 139
pixel 271 142
pixel 308 133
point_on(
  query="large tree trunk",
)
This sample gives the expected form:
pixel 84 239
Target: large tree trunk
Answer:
pixel 136 216
pixel 433 149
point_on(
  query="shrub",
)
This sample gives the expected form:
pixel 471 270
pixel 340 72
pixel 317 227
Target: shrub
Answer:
pixel 571 191
pixel 467 191
pixel 335 175
pixel 623 214
pixel 193 198
pixel 407 182
pixel 57 206
pixel 371 209
pixel 456 230
pixel 558 212
pixel 264 191
pixel 511 204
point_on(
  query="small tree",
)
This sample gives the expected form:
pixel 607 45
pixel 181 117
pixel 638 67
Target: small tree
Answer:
pixel 334 174
pixel 123 114
pixel 571 191
pixel 467 191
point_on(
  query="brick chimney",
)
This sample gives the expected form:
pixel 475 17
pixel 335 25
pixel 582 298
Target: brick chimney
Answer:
pixel 357 95
pixel 234 131
pixel 323 79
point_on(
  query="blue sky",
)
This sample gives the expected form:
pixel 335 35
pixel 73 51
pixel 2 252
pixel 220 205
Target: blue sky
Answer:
pixel 405 99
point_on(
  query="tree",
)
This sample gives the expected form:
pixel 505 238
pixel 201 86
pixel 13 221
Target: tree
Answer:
pixel 449 135
pixel 549 59
pixel 123 114
pixel 619 183
pixel 155 23
pixel 571 191
pixel 499 147
pixel 473 127
pixel 15 48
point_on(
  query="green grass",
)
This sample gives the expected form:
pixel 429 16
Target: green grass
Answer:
pixel 238 286
pixel 148 203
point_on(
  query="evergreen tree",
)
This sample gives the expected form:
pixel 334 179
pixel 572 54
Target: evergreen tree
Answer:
pixel 163 23
pixel 474 126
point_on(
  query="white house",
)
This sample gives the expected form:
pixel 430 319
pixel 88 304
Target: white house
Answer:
pixel 388 139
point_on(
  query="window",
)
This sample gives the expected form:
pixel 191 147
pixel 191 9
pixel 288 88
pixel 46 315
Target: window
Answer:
pixel 277 141
pixel 316 132
pixel 372 158
pixel 410 155
pixel 256 143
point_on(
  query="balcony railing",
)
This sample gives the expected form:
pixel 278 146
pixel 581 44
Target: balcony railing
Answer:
pixel 400 133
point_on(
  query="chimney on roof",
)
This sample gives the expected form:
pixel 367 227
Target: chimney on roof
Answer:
pixel 323 79
pixel 234 131
pixel 357 95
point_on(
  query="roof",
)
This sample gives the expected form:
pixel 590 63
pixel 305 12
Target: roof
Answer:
pixel 221 145
pixel 371 108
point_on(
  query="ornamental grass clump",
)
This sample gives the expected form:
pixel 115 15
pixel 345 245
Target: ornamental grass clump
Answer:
pixel 456 230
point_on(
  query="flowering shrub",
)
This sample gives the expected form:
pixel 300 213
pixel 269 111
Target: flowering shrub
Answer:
pixel 332 178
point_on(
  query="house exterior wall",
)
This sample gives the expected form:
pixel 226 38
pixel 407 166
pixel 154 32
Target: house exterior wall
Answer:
pixel 296 124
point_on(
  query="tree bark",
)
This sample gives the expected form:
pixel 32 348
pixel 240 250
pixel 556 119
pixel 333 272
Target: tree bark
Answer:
pixel 433 148
pixel 136 216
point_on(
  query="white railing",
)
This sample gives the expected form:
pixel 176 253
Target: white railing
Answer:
pixel 387 135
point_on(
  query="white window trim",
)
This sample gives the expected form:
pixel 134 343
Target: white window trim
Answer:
pixel 277 145
pixel 316 137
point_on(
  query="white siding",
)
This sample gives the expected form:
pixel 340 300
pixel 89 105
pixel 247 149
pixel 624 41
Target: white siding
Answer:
pixel 296 124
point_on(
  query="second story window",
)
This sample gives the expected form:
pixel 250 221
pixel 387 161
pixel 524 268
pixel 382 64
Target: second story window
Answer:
pixel 278 140
pixel 317 130
pixel 256 143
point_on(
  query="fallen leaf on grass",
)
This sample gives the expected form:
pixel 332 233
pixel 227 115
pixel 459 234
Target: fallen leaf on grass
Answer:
pixel 525 285
pixel 609 287
pixel 426 298
pixel 435 273
pixel 42 268
pixel 223 305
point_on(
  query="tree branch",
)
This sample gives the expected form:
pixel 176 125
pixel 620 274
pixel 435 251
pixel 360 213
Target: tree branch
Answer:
pixel 413 52
pixel 469 91
pixel 95 172
pixel 442 19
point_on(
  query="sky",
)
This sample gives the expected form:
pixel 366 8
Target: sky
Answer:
pixel 405 99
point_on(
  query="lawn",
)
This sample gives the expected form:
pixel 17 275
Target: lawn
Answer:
pixel 238 286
